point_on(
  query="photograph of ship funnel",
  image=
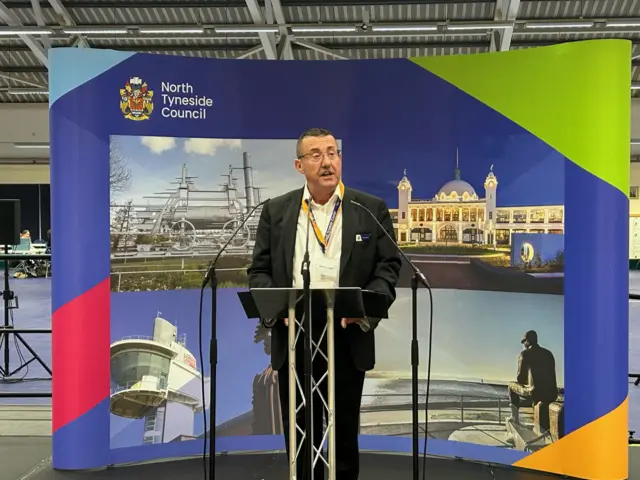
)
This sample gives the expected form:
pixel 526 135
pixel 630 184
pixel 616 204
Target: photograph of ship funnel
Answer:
pixel 175 202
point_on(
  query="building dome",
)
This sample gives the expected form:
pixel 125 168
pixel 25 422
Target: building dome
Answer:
pixel 460 187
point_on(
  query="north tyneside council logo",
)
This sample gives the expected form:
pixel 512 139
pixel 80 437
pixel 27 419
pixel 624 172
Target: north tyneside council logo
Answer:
pixel 136 100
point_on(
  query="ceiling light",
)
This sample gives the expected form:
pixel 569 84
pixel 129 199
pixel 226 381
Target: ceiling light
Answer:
pixel 404 28
pixel 478 26
pixel 321 29
pixel 31 145
pixel 31 31
pixel 27 91
pixel 96 31
pixel 247 29
pixel 169 31
pixel 559 25
pixel 623 23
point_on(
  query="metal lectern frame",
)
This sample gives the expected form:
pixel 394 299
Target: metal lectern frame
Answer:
pixel 328 403
pixel 285 302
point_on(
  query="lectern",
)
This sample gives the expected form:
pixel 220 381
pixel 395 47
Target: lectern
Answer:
pixel 347 302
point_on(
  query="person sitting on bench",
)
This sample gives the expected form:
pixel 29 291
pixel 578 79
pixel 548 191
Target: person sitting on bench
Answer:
pixel 536 377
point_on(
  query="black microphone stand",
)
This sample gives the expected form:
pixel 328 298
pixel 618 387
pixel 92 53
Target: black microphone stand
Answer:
pixel 212 279
pixel 417 278
pixel 308 358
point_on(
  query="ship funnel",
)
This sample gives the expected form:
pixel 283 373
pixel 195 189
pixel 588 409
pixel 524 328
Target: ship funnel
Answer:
pixel 164 332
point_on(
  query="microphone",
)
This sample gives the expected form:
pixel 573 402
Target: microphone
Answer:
pixel 415 269
pixel 308 355
pixel 305 259
pixel 210 277
pixel 212 265
pixel 415 352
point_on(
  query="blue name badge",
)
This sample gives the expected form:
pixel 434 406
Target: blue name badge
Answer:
pixel 363 237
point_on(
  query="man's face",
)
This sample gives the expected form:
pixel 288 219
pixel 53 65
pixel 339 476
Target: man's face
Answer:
pixel 320 161
pixel 526 344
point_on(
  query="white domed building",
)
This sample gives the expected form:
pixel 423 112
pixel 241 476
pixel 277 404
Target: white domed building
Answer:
pixel 457 214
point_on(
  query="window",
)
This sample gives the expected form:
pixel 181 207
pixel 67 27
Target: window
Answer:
pixel 519 216
pixel 404 215
pixel 490 215
pixel 414 214
pixel 555 215
pixel 503 236
pixel 503 216
pixel 633 193
pixel 150 423
pixel 537 216
pixel 421 215
pixel 429 215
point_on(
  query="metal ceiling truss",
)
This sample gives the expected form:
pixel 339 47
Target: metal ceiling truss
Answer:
pixel 505 21
pixel 505 11
pixel 280 40
pixel 12 21
pixel 64 18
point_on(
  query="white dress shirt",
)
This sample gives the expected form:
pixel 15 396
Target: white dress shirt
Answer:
pixel 320 262
pixel 331 256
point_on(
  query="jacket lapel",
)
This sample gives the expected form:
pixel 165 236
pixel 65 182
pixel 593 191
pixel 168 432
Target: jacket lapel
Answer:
pixel 349 228
pixel 289 230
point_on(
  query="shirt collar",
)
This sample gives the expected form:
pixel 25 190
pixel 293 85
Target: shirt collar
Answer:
pixel 337 193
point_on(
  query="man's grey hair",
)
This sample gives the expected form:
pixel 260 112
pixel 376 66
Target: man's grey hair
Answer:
pixel 311 132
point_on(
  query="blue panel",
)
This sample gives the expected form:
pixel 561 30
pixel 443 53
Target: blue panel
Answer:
pixel 596 338
pixel 425 126
pixel 71 67
pixel 71 451
pixel 258 443
pixel 423 120
pixel 79 202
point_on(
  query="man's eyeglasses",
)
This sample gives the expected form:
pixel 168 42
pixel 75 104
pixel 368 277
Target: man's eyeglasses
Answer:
pixel 317 156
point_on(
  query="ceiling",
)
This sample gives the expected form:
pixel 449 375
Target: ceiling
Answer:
pixel 295 29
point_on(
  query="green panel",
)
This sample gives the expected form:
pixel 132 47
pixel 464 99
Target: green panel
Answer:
pixel 574 96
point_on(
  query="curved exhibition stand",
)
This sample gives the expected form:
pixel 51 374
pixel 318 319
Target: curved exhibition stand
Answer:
pixel 491 164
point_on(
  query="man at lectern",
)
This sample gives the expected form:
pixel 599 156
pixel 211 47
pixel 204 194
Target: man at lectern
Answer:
pixel 346 249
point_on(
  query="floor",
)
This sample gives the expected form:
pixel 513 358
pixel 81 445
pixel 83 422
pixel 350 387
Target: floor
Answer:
pixel 273 467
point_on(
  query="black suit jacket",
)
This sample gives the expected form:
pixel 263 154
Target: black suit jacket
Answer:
pixel 372 265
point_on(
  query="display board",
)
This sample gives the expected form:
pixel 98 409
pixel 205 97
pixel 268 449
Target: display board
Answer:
pixel 481 160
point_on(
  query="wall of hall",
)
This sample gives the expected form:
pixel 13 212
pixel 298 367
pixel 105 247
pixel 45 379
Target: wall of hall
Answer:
pixel 24 124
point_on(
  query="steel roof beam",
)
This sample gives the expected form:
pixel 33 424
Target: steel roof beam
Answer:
pixel 122 4
pixel 268 40
pixel 37 13
pixel 275 14
pixel 64 19
pixel 338 49
pixel 12 78
pixel 10 19
pixel 251 51
pixel 320 49
pixel 505 11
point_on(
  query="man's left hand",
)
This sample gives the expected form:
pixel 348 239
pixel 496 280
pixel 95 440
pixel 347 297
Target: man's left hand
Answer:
pixel 347 321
